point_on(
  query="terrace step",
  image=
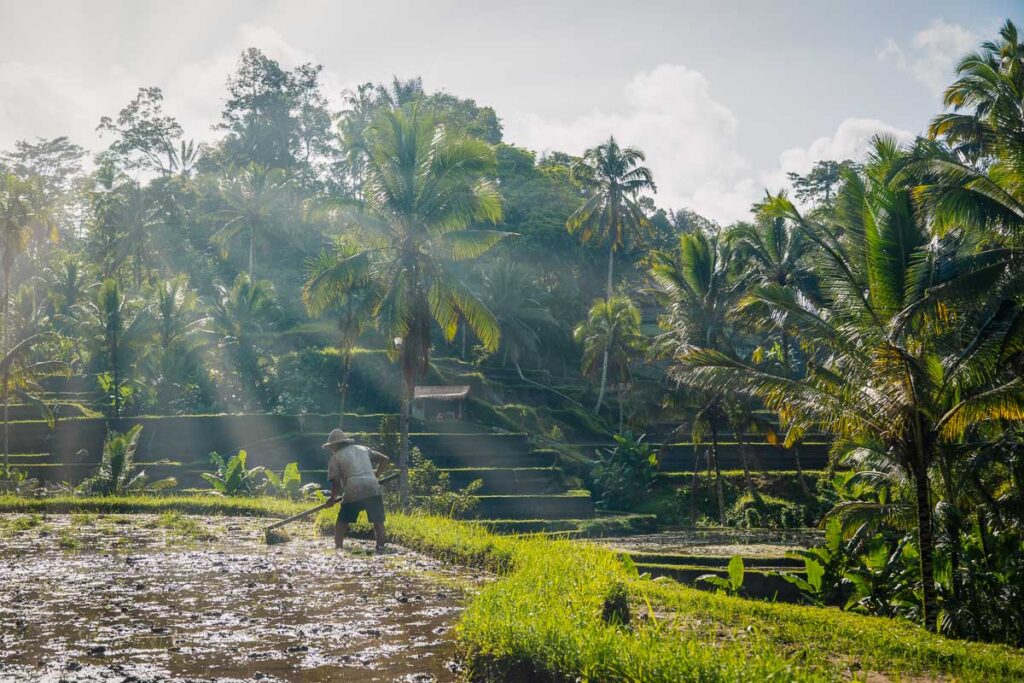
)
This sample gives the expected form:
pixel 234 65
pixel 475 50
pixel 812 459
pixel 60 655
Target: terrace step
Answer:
pixel 506 480
pixel 714 561
pixel 28 413
pixel 28 458
pixel 565 506
pixel 486 460
pixel 681 457
pixel 55 473
pixel 446 450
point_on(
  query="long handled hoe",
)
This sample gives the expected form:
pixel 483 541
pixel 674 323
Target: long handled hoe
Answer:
pixel 269 536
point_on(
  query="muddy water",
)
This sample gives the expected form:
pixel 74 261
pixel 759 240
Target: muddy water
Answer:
pixel 718 542
pixel 123 599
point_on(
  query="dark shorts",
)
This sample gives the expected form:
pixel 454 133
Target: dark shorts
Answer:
pixel 374 507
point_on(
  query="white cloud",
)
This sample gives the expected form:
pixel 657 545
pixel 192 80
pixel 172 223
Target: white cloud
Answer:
pixel 691 142
pixel 932 53
pixel 47 101
pixel 850 141
pixel 195 93
pixel 688 136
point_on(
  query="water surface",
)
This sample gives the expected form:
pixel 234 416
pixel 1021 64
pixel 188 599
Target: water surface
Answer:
pixel 116 598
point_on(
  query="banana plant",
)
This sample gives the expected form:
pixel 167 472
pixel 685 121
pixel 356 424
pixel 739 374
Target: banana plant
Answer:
pixel 233 478
pixel 732 583
pixel 289 485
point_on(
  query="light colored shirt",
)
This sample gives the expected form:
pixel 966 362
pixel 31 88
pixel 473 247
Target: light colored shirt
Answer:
pixel 352 468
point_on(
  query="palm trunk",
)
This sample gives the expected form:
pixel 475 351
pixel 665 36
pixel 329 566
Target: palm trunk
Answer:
pixel 983 533
pixel 403 458
pixel 694 486
pixel 800 471
pixel 604 380
pixel 116 377
pixel 611 269
pixel 927 546
pixel 719 493
pixel 745 463
pixel 621 417
pixel 608 298
pixel 343 389
pixel 252 250
pixel 953 528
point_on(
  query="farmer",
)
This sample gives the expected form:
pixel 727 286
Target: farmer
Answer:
pixel 354 482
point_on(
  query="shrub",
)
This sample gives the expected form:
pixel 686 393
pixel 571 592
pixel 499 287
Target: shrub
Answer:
pixel 116 474
pixel 289 485
pixel 769 512
pixel 233 478
pixel 626 473
pixel 15 481
pixel 430 490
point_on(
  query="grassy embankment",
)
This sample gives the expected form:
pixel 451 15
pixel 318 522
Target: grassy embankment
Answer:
pixel 563 610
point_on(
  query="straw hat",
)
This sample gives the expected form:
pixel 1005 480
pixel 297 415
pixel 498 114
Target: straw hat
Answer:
pixel 338 438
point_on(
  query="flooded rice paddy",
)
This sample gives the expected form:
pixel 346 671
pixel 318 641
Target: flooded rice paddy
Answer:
pixel 173 598
pixel 716 542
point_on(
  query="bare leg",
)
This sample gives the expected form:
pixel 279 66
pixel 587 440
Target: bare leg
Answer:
pixel 378 530
pixel 340 531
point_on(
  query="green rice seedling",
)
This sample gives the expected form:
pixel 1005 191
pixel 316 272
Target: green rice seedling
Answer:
pixel 83 519
pixel 183 527
pixel 24 523
pixel 67 539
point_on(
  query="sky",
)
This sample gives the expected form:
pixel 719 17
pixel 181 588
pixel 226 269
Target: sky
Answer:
pixel 724 97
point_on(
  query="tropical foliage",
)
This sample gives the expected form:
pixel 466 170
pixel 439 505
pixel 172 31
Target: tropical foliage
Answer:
pixel 118 474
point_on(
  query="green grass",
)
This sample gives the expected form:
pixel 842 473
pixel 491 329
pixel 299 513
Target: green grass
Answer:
pixel 67 539
pixel 543 620
pixel 200 504
pixel 554 613
pixel 19 524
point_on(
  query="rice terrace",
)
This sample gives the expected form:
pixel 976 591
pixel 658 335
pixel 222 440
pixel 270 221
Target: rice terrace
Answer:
pixel 566 341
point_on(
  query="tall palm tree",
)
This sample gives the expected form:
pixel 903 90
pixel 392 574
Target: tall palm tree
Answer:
pixel 987 117
pixel 698 285
pixel 892 374
pixel 425 186
pixel 67 295
pixel 612 178
pixel 241 315
pixel 135 217
pixel 119 326
pixel 978 182
pixel 612 328
pixel 253 197
pixel 44 222
pixel 776 252
pixel 172 362
pixel 528 328
pixel 353 305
